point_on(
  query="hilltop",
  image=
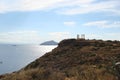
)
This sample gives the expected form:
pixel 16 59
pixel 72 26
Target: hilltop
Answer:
pixel 74 60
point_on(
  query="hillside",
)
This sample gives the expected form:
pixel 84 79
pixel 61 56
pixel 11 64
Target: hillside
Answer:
pixel 49 43
pixel 74 60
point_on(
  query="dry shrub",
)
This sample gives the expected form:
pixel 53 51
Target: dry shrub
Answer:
pixel 89 73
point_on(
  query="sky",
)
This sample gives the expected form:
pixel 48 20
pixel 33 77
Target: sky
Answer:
pixel 36 21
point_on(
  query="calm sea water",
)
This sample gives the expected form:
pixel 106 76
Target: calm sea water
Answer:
pixel 13 58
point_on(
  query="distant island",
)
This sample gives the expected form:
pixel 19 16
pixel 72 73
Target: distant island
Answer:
pixel 52 42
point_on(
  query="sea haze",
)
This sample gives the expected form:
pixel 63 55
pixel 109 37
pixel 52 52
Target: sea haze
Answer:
pixel 15 57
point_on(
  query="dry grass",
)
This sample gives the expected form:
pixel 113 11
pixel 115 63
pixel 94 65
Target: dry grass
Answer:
pixel 82 73
pixel 90 73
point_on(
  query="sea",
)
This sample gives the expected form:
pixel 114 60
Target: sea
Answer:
pixel 16 57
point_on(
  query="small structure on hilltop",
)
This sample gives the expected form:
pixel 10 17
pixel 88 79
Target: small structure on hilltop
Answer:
pixel 82 37
pixel 78 36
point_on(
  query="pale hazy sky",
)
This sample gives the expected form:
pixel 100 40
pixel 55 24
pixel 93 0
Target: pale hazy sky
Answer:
pixel 35 21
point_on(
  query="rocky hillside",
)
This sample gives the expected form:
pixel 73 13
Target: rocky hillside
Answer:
pixel 74 60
